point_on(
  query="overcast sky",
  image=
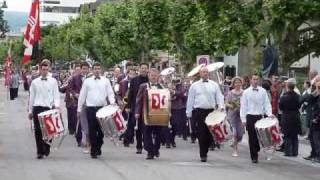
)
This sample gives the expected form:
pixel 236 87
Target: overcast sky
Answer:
pixel 18 5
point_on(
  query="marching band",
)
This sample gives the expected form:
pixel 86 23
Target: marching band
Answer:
pixel 156 107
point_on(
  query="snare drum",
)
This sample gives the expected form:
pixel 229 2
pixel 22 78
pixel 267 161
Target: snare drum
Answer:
pixel 268 132
pixel 218 126
pixel 51 124
pixel 111 121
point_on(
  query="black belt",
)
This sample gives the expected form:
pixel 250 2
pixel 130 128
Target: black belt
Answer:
pixel 201 109
pixel 95 107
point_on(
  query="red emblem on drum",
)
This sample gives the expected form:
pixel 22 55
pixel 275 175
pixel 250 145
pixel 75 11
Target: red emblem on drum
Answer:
pixel 118 122
pixel 48 121
pixel 155 101
pixel 163 100
pixel 275 134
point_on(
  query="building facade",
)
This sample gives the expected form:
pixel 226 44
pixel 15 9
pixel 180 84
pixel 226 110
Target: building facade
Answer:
pixel 58 12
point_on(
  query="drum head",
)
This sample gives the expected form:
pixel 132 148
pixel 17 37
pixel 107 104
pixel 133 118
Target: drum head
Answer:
pixel 52 111
pixel 215 117
pixel 215 66
pixel 106 111
pixel 167 71
pixel 266 122
pixel 195 70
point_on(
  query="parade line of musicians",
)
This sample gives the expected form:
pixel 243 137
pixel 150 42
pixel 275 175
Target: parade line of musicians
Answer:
pixel 192 99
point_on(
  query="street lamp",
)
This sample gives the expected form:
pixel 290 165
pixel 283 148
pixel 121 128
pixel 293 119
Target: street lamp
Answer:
pixel 4 5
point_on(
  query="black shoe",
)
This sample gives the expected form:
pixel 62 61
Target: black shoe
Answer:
pixel 99 152
pixel 185 138
pixel 126 145
pixel 193 141
pixel 255 161
pixel 139 151
pixel 203 159
pixel 93 156
pixel 157 155
pixel 174 144
pixel 217 145
pixel 149 156
pixel 47 152
pixel 308 158
pixel 168 146
pixel 39 156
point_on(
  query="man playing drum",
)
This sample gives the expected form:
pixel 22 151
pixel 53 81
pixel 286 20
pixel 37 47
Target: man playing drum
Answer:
pixel 94 93
pixel 204 96
pixel 254 105
pixel 44 95
pixel 152 133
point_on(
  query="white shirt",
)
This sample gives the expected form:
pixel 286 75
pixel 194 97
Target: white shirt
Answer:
pixel 204 95
pixel 254 103
pixel 94 92
pixel 44 93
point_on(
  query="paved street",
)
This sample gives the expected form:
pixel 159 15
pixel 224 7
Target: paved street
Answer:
pixel 18 158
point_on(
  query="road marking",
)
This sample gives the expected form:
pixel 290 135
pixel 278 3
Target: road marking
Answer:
pixel 193 164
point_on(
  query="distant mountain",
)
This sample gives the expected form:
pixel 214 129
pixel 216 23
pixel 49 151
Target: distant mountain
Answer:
pixel 16 20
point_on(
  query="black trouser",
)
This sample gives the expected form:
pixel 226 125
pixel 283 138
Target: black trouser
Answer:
pixel 204 136
pixel 312 141
pixel 26 86
pixel 139 133
pixel 72 123
pixel 152 139
pixel 42 147
pixel 13 93
pixel 253 138
pixel 95 132
pixel 291 145
pixel 128 138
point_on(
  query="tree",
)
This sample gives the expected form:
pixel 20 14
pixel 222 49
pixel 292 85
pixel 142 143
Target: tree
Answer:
pixel 4 28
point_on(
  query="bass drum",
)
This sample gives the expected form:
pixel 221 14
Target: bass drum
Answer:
pixel 157 107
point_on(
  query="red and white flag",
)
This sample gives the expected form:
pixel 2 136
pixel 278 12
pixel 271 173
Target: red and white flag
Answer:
pixel 32 32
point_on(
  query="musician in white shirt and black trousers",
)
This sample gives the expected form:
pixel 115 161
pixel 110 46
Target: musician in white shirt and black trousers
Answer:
pixel 203 98
pixel 44 95
pixel 94 94
pixel 255 104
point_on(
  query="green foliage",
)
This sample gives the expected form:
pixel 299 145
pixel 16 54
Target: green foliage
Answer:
pixel 131 29
pixel 4 28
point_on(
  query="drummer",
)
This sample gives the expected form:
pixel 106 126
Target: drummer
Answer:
pixel 255 104
pixel 204 96
pixel 94 94
pixel 152 133
pixel 44 95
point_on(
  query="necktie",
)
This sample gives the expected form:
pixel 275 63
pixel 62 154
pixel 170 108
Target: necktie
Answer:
pixel 44 79
pixel 255 89
pixel 96 77
pixel 205 81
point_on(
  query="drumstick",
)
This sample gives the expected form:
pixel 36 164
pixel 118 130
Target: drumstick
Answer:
pixel 31 128
pixel 189 122
pixel 77 126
